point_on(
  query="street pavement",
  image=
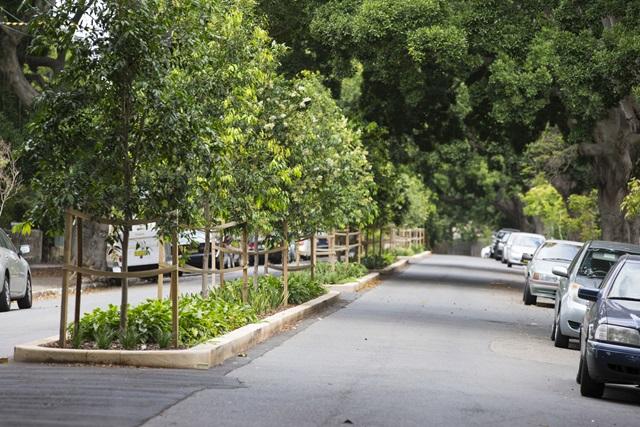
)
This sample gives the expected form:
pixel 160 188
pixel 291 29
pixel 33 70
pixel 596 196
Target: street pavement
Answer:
pixel 447 342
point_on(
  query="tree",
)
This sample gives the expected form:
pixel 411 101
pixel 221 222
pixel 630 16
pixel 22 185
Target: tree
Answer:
pixel 9 174
pixel 113 135
pixel 579 66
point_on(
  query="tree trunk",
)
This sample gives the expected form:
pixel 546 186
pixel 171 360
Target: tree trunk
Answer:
pixel 11 68
pixel 613 158
pixel 95 246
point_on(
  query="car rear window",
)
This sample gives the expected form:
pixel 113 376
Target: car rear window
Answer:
pixel 553 251
pixel 527 241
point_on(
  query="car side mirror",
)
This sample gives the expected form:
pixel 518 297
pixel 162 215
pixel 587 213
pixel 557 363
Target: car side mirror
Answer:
pixel 24 249
pixel 589 294
pixel 527 258
pixel 560 271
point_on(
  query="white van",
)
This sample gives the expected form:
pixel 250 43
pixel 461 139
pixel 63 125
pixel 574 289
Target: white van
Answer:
pixel 143 253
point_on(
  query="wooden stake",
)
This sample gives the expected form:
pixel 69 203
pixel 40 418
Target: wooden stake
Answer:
pixel 312 256
pixel 205 263
pixel 359 245
pixel 65 280
pixel 76 317
pixel 161 260
pixel 245 264
pixel 221 257
pixel 174 289
pixel 256 262
pixel 332 250
pixel 285 264
pixel 347 245
pixel 124 302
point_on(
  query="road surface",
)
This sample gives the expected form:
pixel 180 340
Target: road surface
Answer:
pixel 448 342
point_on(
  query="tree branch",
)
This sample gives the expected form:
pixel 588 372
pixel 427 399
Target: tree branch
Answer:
pixel 12 70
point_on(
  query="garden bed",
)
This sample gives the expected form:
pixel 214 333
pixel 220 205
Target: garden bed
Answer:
pixel 212 329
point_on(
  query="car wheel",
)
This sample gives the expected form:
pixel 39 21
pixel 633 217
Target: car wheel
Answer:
pixel 5 296
pixel 27 300
pixel 588 386
pixel 509 265
pixel 559 340
pixel 526 296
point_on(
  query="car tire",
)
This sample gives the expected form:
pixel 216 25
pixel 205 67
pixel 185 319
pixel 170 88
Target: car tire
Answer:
pixel 509 264
pixel 5 295
pixel 527 298
pixel 27 300
pixel 579 374
pixel 588 386
pixel 559 340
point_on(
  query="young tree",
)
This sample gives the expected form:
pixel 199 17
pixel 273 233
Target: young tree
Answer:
pixel 113 135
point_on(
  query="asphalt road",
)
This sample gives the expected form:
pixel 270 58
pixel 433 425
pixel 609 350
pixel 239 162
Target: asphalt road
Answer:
pixel 448 342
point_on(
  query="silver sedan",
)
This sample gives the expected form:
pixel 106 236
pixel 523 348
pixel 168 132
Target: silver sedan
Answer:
pixel 16 282
pixel 539 278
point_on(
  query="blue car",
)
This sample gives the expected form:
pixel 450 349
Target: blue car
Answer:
pixel 610 332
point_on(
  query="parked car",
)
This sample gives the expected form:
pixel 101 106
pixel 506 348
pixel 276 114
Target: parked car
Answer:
pixel 610 333
pixel 519 244
pixel 498 240
pixel 322 245
pixel 539 279
pixel 16 283
pixel 587 269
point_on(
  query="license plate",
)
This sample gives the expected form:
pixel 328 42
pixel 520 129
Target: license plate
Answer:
pixel 140 253
pixel 117 270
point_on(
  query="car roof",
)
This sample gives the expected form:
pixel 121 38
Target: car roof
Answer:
pixel 603 244
pixel 508 229
pixel 630 257
pixel 530 234
pixel 565 242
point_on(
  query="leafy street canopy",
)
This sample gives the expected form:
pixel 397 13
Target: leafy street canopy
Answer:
pixel 460 114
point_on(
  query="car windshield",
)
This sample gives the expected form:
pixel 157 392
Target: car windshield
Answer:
pixel 553 251
pixel 627 283
pixel 598 262
pixel 529 241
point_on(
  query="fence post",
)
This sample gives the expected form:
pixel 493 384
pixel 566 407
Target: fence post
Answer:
pixel 313 256
pixel 161 260
pixel 174 289
pixel 347 245
pixel 256 262
pixel 76 317
pixel 359 245
pixel 332 250
pixel 285 264
pixel 125 280
pixel 245 263
pixel 65 279
pixel 221 256
pixel 205 254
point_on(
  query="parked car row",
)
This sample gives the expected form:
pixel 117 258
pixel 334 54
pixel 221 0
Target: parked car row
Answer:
pixel 595 287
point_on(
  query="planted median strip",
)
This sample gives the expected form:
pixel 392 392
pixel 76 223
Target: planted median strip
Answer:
pixel 212 329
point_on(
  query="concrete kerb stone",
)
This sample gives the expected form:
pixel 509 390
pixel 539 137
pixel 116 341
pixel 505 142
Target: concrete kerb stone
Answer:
pixel 202 356
pixel 357 285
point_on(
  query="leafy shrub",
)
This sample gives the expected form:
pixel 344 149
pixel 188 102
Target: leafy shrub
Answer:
pixel 303 289
pixel 342 273
pixel 376 262
pixel 200 319
pixel 98 318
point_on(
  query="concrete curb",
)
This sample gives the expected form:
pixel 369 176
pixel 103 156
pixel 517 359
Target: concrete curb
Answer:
pixel 202 356
pixel 357 285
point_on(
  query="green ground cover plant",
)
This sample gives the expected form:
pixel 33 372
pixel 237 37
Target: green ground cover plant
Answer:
pixel 200 319
pixel 377 262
